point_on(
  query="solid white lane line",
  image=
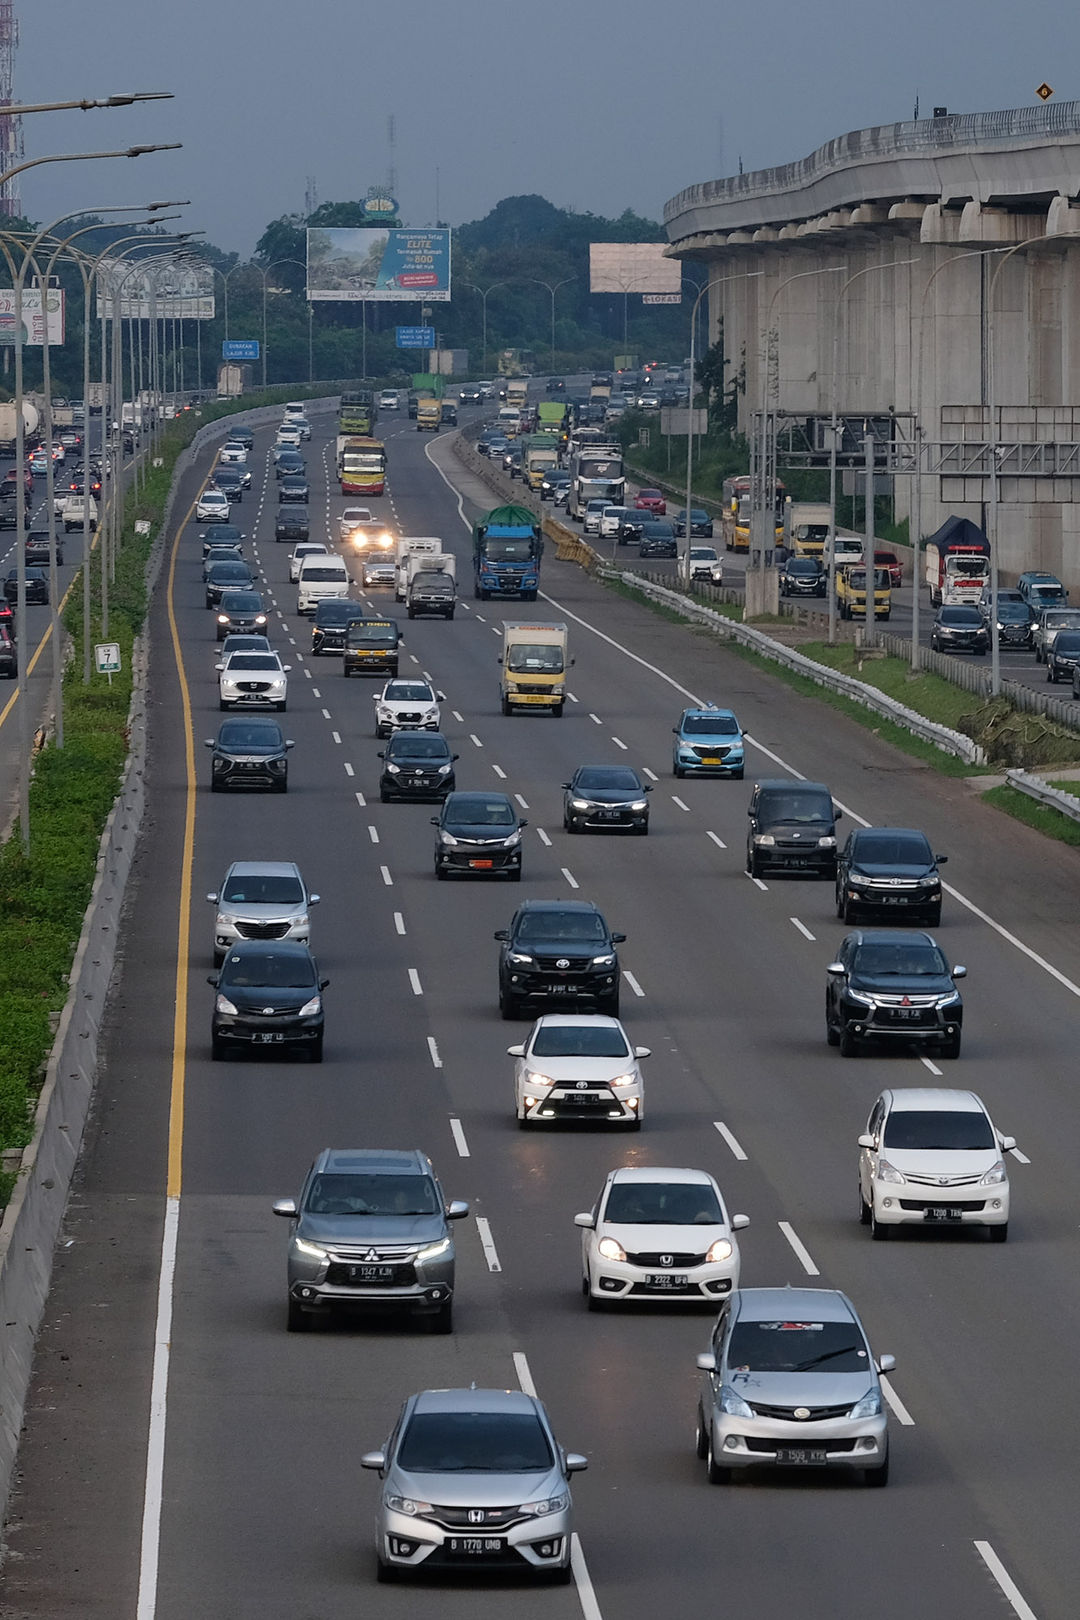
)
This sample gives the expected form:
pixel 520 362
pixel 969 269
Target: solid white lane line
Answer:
pixel 499 772
pixel 619 743
pixel 543 837
pixel 927 1063
pixel 458 717
pixel 676 800
pixel 632 982
pixel 800 1248
pixel 524 803
pixel 326 712
pixel 1025 950
pixel 590 1609
pixel 155 1445
pixel 719 842
pixel 399 922
pixel 570 878
pixel 414 980
pixel 361 801
pixel 491 1254
pixel 524 1376
pixel 348 769
pixel 387 879
pixel 373 834
pixel 436 1060
pixel 803 930
pixel 896 1405
pixel 729 1138
pixel 1020 1607
pixel 1022 1157
pixel 595 718
pixel 764 887
pixel 336 736
pixel 473 738
pixel 458 1134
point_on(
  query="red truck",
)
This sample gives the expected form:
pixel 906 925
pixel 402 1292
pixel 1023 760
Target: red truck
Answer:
pixel 957 562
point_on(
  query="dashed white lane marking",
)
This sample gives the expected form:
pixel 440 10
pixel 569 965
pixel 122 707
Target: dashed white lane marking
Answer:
pixel 899 1410
pixel 348 769
pixel 491 1255
pixel 436 1060
pixel 495 630
pixel 523 802
pixel 499 772
pixel 460 718
pixel 719 842
pixel 645 771
pixel 570 878
pixel 361 801
pixel 931 1066
pixel 387 879
pixel 414 658
pixel 1021 1157
pixel 458 1134
pixel 300 660
pixel 543 837
pixel 399 922
pixel 1020 1607
pixel 326 712
pixel 524 1376
pixel 729 1138
pixel 317 694
pixel 572 698
pixel 632 982
pixel 800 1248
pixel 595 718
pixel 373 834
pixel 414 980
pixel 676 800
pixel 803 930
pixel 284 626
pixel 307 672
pixel 336 736
pixel 481 618
pixel 764 887
pixel 619 742
pixel 473 738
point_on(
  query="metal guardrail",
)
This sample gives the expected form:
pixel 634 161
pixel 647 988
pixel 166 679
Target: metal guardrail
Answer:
pixel 975 677
pixel 1035 788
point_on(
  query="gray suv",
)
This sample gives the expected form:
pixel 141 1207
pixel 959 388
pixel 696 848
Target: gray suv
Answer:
pixel 370 1231
pixel 261 900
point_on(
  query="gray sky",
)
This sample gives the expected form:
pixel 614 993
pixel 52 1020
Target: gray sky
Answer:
pixel 597 106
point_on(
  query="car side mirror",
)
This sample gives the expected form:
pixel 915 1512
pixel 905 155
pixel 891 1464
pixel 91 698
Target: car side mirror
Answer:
pixel 643 1051
pixel 516 1051
pixel 706 1361
pixel 499 659
pixel 501 933
pixel 212 899
pixel 573 661
pixel 838 815
pixel 886 1364
pixel 586 1220
pixel 647 788
pixel 618 939
pixel 285 1206
pixel 211 978
pixel 208 742
pixel 739 1223
pixel 454 756
pixel 1007 1143
pixel 675 730
pixel 313 899
pixel 941 859
pixel 836 969
pixel 564 784
pixel 323 983
pixel 867 1141
pixel 434 820
pixel 575 1462
pixel 457 1209
pixel 290 744
pixel 750 810
pixel 286 668
pixel 959 972
pixel 373 1459
pixel 441 696
pixel 523 822
pixel 219 666
pixel 381 754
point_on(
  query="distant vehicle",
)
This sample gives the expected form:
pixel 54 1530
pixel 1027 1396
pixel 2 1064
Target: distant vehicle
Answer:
pixel 261 900
pixel 960 629
pixel 389 400
pixel 37 585
pixel 651 500
pixel 705 563
pixel 657 539
pixel 478 835
pixel 212 507
pixel 803 576
pixel 252 680
pixel 708 742
pixel 701 524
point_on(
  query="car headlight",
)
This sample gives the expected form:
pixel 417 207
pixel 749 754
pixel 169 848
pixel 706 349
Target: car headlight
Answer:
pixel 860 996
pixel 579 804
pixel 888 1172
pixel 444 770
pixel 765 839
pixel 826 843
pixel 857 881
pixel 392 768
pixel 310 1251
pixel 224 1005
pixel 995 1175
pixel 310 1008
pixel 260 618
pixel 431 714
pixel 384 711
pixel 610 1249
pixel 869 1406
pixel 433 1250
pixel 606 960
pixel 949 1000
pixel 638 804
pixel 733 1404
pixel 406 1504
pixel 722 1249
pixel 550 1504
pixel 448 839
pixel 277 682
pixel 532 1079
pixel 624 1080
pixel 514 838
pixel 223 618
pixel 520 958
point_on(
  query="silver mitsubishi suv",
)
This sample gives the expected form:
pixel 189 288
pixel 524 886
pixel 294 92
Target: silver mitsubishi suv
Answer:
pixel 370 1231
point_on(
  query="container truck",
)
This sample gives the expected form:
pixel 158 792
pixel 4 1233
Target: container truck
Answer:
pixel 533 667
pixel 8 424
pixel 429 562
pixel 507 547
pixel 410 546
pixel 957 562
pixel 517 391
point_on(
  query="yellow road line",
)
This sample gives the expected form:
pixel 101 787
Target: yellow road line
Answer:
pixel 40 648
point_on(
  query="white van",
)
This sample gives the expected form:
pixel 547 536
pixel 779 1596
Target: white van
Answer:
pixel 295 407
pixel 320 579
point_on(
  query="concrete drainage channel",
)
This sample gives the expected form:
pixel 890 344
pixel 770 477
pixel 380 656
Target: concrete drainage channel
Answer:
pixel 33 1218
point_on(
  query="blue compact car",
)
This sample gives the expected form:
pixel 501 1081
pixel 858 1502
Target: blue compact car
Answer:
pixel 708 742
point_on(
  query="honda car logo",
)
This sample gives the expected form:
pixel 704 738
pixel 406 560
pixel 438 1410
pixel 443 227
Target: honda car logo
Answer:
pixel 801 1412
pixel 476 1515
pixel 667 1259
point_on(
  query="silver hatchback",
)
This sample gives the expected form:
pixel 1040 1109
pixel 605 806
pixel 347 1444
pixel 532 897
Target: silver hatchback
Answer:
pixel 789 1381
pixel 473 1479
pixel 261 900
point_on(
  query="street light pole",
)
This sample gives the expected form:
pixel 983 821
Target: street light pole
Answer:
pixel 483 291
pixel 552 288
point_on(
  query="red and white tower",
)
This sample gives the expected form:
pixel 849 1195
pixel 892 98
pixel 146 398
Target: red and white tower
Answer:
pixel 11 139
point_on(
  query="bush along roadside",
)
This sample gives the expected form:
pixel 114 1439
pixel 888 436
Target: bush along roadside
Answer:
pixel 45 889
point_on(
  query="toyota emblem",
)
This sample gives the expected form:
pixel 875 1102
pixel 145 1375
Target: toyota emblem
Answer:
pixel 267 1011
pixel 582 1085
pixel 563 962
pixel 802 1412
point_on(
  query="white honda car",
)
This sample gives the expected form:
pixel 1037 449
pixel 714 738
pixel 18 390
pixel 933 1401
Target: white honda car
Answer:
pixel 407 706
pixel 581 1067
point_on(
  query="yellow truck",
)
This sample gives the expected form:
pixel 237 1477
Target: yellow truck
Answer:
pixel 533 667
pixel 851 592
pixel 428 414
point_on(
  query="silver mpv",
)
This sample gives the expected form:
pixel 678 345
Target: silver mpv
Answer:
pixel 473 1479
pixel 261 900
pixel 789 1381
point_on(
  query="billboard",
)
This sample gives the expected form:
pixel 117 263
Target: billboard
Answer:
pixel 33 321
pixel 154 289
pixel 379 265
pixel 632 267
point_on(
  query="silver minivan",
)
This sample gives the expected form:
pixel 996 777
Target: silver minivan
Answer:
pixel 261 900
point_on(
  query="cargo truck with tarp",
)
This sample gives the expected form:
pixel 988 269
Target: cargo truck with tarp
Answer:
pixel 507 547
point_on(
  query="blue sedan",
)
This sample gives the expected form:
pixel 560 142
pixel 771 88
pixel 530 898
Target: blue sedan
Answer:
pixel 708 742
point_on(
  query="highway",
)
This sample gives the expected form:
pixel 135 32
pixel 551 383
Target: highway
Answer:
pixel 260 1508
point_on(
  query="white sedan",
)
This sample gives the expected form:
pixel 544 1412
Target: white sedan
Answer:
pixel 389 400
pixel 232 454
pixel 407 706
pixel 705 563
pixel 289 436
pixel 659 1234
pixel 579 1066
pixel 253 680
pixel 304 548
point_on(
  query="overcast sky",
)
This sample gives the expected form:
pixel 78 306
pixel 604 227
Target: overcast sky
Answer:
pixel 596 106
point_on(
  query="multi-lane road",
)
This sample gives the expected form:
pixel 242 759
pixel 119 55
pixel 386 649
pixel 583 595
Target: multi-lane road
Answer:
pixel 180 1444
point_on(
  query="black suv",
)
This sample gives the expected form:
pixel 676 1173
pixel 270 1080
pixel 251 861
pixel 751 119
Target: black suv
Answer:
pixel 803 576
pixel 293 490
pixel 331 618
pixel 416 765
pixel 889 985
pixel 478 835
pixel 889 869
pixel 792 828
pixel 227 576
pixel 249 753
pixel 269 994
pixel 292 523
pixel 222 534
pixel 658 539
pixel 960 629
pixel 558 951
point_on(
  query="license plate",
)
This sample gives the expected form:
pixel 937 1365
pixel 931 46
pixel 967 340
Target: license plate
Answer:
pixel 907 1013
pixel 531 697
pixel 893 899
pixel 476 1546
pixel 267 1035
pixel 812 1455
pixel 580 1099
pixel 666 1279
pixel 944 1212
pixel 371 1273
pixel 559 989
pixel 482 865
pixel 712 759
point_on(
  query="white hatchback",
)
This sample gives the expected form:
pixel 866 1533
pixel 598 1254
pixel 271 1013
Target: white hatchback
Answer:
pixel 304 548
pixel 406 706
pixel 659 1234
pixel 389 400
pixel 932 1157
pixel 580 1067
pixel 212 507
pixel 288 436
pixel 232 455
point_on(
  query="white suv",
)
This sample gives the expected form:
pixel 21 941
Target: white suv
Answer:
pixel 931 1157
pixel 406 706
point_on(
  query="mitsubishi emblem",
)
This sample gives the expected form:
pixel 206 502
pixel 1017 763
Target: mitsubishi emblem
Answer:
pixel 372 1254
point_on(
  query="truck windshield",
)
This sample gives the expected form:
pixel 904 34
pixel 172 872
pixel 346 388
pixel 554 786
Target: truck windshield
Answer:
pixel 523 656
pixel 364 461
pixel 508 550
pixel 970 567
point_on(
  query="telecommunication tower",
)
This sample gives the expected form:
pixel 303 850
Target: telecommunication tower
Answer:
pixel 11 138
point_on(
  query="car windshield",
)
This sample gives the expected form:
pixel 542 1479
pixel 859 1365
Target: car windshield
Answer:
pixel 334 612
pixel 702 554
pixel 238 737
pixel 264 889
pixel 241 602
pixel 333 1193
pixel 408 692
pixel 579 1040
pixel 473 810
pixel 803 565
pixel 275 972
pixel 1013 613
pixel 475 1443
pixel 804 809
pixel 321 571
pixel 709 725
pixel 252 661
pixel 613 779
pixel 885 849
pixel 418 747
pixel 229 570
pixel 587 926
pixel 1066 641
pixel 955 1130
pixel 834 1347
pixel 1060 618
pixel 524 657
pixel 960 616
pixel 904 960
pixel 663 1203
pixel 356 514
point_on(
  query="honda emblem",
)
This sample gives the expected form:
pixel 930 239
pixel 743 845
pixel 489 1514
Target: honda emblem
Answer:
pixel 476 1515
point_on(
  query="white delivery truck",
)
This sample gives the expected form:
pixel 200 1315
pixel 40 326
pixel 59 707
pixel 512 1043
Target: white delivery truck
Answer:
pixel 843 549
pixel 534 664
pixel 413 546
pixel 806 527
pixel 429 562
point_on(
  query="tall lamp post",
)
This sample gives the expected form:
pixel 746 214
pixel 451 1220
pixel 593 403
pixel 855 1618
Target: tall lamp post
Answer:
pixel 484 292
pixel 264 271
pixel 552 288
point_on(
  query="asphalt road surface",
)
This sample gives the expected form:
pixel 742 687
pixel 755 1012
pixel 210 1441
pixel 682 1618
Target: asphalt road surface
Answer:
pixel 260 1508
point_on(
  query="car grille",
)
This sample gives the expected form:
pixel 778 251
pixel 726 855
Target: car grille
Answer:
pixel 253 686
pixel 811 1414
pixel 768 1448
pixel 524 686
pixel 490 1518
pixel 674 1262
pixel 260 930
pixel 892 885
pixel 575 965
pixel 911 1017
pixel 404 715
pixel 914 1205
pixel 719 752
pixel 942 1181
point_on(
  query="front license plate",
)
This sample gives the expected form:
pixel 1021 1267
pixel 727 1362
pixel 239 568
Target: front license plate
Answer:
pixel 802 1455
pixel 580 1099
pixel 944 1212
pixel 476 1546
pixel 482 866
pixel 666 1279
pixel 266 1036
pixel 712 759
pixel 906 1013
pixel 370 1273
pixel 532 697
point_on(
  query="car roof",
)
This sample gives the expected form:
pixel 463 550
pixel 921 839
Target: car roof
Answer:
pixel 933 1099
pixel 784 784
pixel 468 794
pixel 272 947
pixel 575 1020
pixel 269 868
pixel 893 832
pixel 653 1173
pixel 475 1400
pixel 374 1161
pixel 558 905
pixel 891 936
pixel 790 1304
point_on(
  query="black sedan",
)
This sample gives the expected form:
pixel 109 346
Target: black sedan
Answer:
pixel 701 524
pixel 290 463
pixel 893 986
pixel 293 490
pixel 249 753
pixel 416 765
pixel 239 610
pixel 230 481
pixel 269 996
pixel 331 618
pixel 1015 623
pixel 38 546
pixel 606 797
pixel 891 869
pixel 470 394
pixel 37 585
pixel 227 576
pixel 554 484
pixel 1063 656
pixel 960 629
pixel 478 835
pixel 803 576
pixel 658 539
pixel 222 534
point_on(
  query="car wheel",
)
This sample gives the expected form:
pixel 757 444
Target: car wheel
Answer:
pixel 442 1320
pixel 999 1234
pixel 737 776
pixel 849 1045
pixel 561 1576
pixel 933 918
pixel 878 1231
pixel 832 1034
pixel 718 1474
pixel 281 787
pixel 864 1209
pixel 315 1051
pixel 384 797
pixel 297 1320
pixel 642 831
pixel 594 1303
pixel 515 875
pixel 385 1574
pixel 701 1437
pixel 877 1477
pixel 440 872
pixel 509 1006
pixel 1050 675
pixel 1038 655
pixel 507 708
pixel 951 1049
pixel 753 865
pixel 217 1049
pixel 846 911
pixel 677 772
pixel 569 825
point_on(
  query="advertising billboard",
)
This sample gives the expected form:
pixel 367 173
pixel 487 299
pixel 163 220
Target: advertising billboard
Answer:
pixel 154 290
pixel 33 322
pixel 379 265
pixel 632 267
